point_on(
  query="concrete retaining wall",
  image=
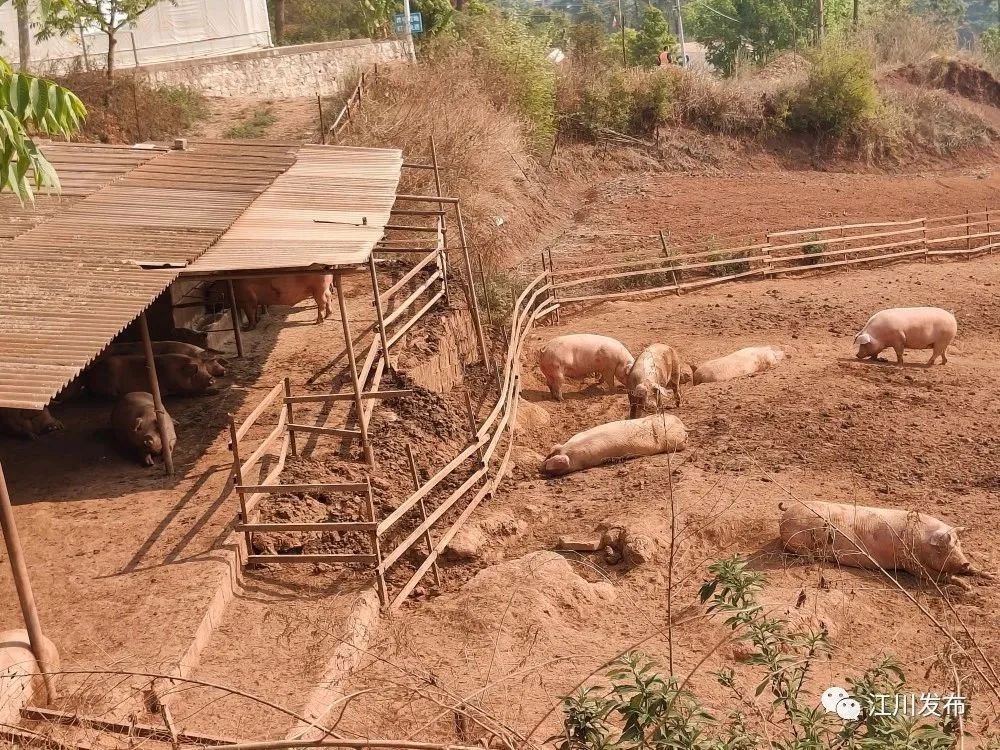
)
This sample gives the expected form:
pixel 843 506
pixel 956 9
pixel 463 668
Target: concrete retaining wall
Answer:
pixel 302 70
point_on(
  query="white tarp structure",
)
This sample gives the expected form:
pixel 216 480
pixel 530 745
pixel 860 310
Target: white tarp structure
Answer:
pixel 181 30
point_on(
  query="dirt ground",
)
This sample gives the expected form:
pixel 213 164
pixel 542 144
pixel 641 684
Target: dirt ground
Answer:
pixel 512 631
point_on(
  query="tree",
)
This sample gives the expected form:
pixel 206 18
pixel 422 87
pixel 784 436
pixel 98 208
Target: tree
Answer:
pixel 32 103
pixel 23 34
pixel 652 38
pixel 758 28
pixel 110 16
pixel 278 10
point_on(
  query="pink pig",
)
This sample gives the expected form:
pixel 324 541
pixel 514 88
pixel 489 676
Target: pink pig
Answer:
pixel 578 355
pixel 902 328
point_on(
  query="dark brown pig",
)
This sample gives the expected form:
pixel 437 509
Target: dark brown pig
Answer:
pixel 134 423
pixel 216 365
pixel 178 374
pixel 28 423
pixel 284 290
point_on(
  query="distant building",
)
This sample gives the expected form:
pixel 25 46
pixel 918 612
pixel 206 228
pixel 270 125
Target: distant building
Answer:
pixel 169 31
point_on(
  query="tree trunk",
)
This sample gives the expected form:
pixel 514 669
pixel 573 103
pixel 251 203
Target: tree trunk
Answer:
pixel 112 42
pixel 23 36
pixel 279 21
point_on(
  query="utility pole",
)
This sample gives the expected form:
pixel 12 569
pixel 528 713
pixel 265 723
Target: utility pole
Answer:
pixel 621 20
pixel 819 20
pixel 680 33
pixel 408 25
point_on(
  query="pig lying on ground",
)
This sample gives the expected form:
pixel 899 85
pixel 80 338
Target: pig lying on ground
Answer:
pixel 191 336
pixel 134 423
pixel 648 436
pixel 656 368
pixel 178 374
pixel 284 290
pixel 28 423
pixel 215 364
pixel 902 328
pixel 870 538
pixel 578 355
pixel 747 361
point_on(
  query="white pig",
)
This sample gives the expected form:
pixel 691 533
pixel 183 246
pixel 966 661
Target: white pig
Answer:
pixel 578 355
pixel 864 537
pixel 748 361
pixel 648 436
pixel 902 328
pixel 657 368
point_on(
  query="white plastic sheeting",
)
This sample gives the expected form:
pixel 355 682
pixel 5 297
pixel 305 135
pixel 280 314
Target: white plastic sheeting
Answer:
pixel 184 30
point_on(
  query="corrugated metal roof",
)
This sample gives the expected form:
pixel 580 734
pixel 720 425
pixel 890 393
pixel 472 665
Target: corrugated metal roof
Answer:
pixel 68 286
pixel 329 209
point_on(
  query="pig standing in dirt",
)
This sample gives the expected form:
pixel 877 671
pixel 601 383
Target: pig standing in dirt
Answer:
pixel 178 374
pixel 578 355
pixel 135 426
pixel 648 436
pixel 748 361
pixel 865 537
pixel 28 423
pixel 284 290
pixel 902 328
pixel 215 364
pixel 656 368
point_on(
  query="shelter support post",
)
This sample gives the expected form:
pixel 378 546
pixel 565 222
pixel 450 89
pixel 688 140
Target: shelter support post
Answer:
pixel 23 585
pixel 234 315
pixel 442 223
pixel 378 310
pixel 470 280
pixel 154 389
pixel 352 365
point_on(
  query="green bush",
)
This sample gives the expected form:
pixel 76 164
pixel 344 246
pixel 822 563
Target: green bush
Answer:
pixel 652 38
pixel 641 708
pixel 989 43
pixel 812 249
pixel 632 102
pixel 839 95
pixel 733 267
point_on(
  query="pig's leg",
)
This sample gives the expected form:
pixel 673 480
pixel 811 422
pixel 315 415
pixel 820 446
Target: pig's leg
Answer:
pixel 939 351
pixel 320 298
pixel 608 379
pixel 898 348
pixel 676 386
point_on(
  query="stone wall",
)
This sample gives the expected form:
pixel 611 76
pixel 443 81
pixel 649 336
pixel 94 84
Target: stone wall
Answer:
pixel 301 70
pixel 455 347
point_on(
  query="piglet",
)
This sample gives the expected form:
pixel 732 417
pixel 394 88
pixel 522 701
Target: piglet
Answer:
pixel 136 428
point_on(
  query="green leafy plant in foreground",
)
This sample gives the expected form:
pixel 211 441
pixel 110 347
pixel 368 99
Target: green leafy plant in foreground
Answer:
pixel 639 707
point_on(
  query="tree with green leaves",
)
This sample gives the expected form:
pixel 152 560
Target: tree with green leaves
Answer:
pixel 32 104
pixel 652 38
pixel 110 16
pixel 759 29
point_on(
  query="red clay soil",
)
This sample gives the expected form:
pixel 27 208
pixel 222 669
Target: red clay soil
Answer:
pixel 957 76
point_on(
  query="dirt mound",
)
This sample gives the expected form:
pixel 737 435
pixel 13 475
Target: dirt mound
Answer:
pixel 956 76
pixel 783 66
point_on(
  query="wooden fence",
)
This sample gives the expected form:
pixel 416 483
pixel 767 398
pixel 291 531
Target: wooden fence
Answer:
pixel 685 267
pixel 343 118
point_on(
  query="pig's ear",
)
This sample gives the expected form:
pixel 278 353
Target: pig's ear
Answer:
pixel 138 424
pixel 862 339
pixel 957 529
pixel 942 539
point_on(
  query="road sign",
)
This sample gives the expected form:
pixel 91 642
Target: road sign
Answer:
pixel 416 23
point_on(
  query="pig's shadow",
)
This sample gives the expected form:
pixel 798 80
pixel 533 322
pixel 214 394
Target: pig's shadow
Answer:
pixel 889 363
pixel 583 394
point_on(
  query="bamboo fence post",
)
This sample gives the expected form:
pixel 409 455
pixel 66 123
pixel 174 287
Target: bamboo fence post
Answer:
pixel 473 301
pixel 378 310
pixel 989 232
pixel 769 265
pixel 19 571
pixel 234 316
pixel 423 513
pixel 923 235
pixel 322 120
pixel 154 388
pixel 290 416
pixel 968 230
pixel 352 364
pixel 474 431
pixel 383 593
pixel 442 223
pixel 554 295
pixel 234 446
pixel 666 254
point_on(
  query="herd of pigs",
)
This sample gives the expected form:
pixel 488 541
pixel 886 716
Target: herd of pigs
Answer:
pixel 865 537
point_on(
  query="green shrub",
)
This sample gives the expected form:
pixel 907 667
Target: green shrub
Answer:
pixel 812 249
pixel 838 97
pixel 652 38
pixel 733 267
pixel 255 126
pixel 633 102
pixel 640 708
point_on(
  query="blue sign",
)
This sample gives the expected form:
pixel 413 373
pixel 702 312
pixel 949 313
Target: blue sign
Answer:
pixel 416 23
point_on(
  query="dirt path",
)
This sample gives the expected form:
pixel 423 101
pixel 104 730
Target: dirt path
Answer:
pixel 295 119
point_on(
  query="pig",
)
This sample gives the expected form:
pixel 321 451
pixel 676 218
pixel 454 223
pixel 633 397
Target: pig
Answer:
pixel 902 328
pixel 657 367
pixel 283 290
pixel 178 374
pixel 647 436
pixel 191 336
pixel 864 537
pixel 215 364
pixel 748 361
pixel 29 423
pixel 135 426
pixel 578 355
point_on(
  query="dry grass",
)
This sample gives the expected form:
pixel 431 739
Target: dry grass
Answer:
pixel 933 122
pixel 905 38
pixel 730 107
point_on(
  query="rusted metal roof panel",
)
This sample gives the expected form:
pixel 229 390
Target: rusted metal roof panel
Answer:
pixel 327 210
pixel 69 285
